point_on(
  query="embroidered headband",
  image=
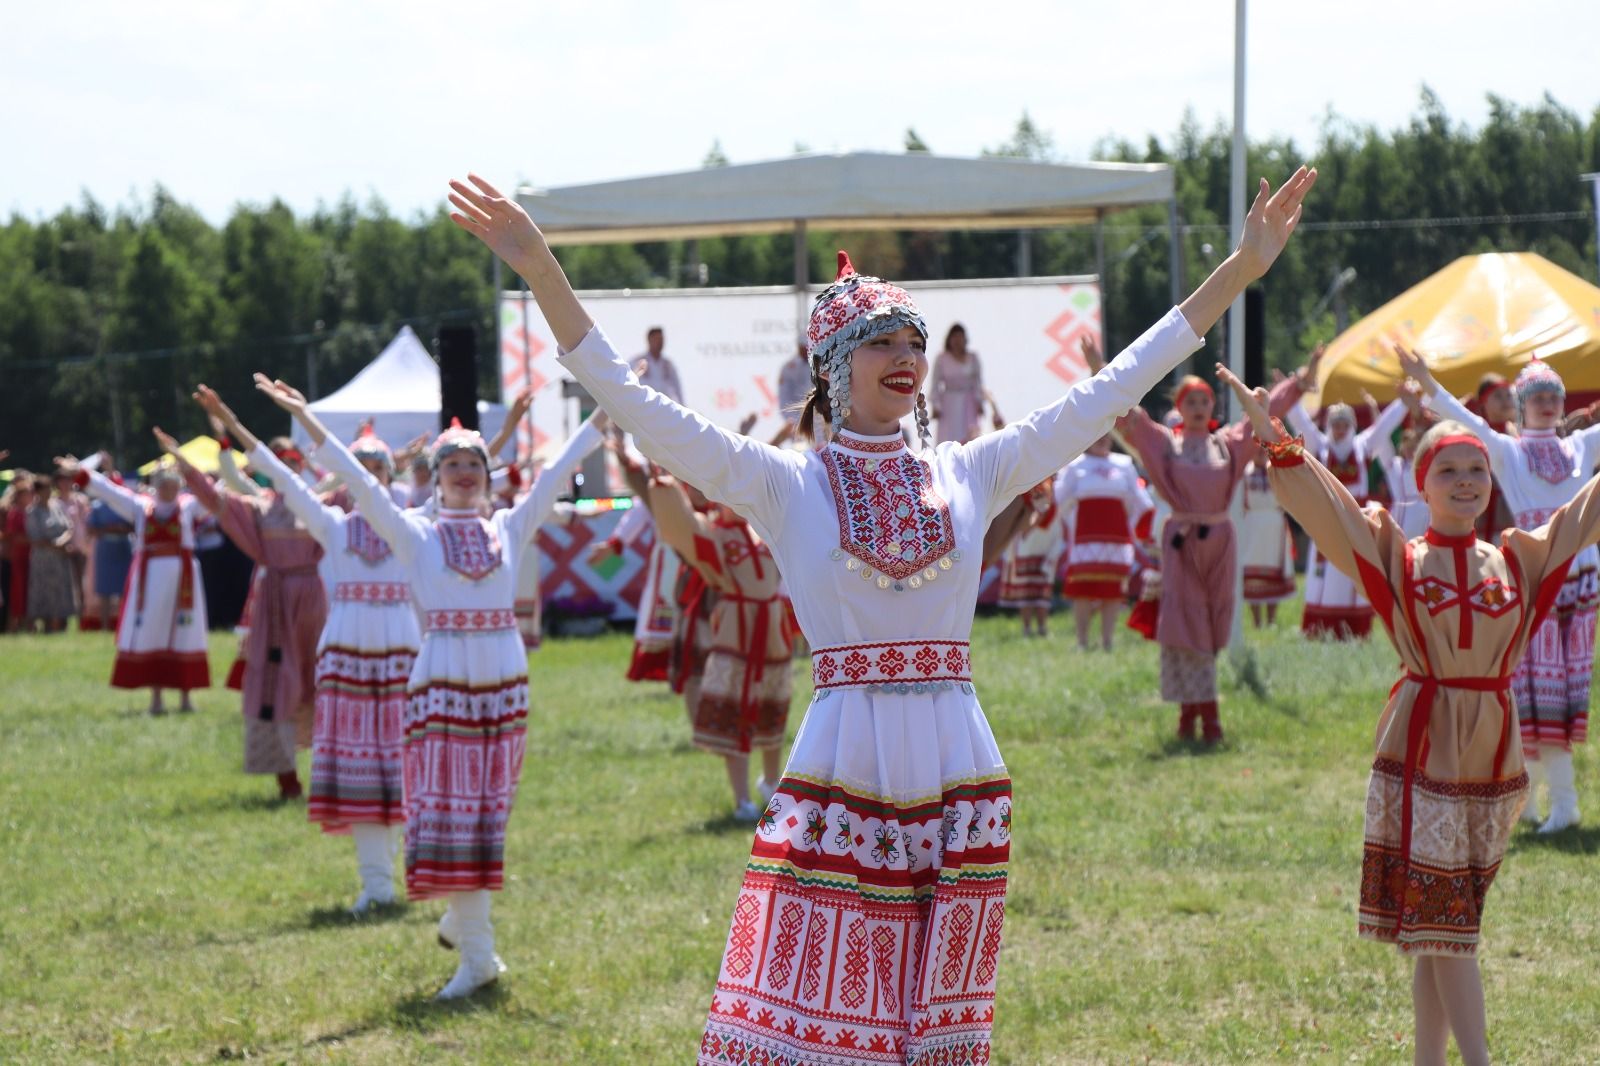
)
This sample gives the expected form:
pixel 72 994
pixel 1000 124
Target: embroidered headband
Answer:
pixel 848 314
pixel 291 454
pixel 1446 441
pixel 1491 384
pixel 1197 385
pixel 1537 377
pixel 1341 412
pixel 457 439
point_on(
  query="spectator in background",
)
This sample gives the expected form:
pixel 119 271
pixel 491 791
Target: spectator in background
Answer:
pixel 14 512
pixel 49 529
pixel 956 394
pixel 656 370
pixel 794 385
pixel 77 505
pixel 112 553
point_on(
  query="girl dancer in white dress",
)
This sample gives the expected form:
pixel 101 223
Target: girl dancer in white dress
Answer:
pixel 364 658
pixel 467 700
pixel 867 929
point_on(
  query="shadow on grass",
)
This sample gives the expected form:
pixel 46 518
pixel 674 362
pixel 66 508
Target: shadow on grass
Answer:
pixel 725 824
pixel 423 1013
pixel 1578 840
pixel 1173 747
pixel 337 917
pixel 229 802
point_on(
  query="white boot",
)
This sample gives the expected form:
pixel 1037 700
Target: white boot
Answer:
pixel 1563 791
pixel 1530 812
pixel 375 862
pixel 479 964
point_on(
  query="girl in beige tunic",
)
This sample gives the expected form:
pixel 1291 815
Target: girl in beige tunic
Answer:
pixel 1448 780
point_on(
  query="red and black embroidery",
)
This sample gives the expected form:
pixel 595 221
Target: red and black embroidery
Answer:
pixel 362 541
pixel 471 547
pixel 890 516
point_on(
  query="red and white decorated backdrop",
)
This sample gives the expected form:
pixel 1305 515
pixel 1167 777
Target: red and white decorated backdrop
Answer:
pixel 730 344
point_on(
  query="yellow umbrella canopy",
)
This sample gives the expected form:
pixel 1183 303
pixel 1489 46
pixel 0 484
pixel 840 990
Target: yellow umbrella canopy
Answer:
pixel 1481 314
pixel 203 453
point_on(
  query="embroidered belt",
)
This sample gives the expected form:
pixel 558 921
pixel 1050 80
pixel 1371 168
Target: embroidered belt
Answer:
pixel 1181 522
pixel 471 621
pixel 895 663
pixel 1417 740
pixel 381 592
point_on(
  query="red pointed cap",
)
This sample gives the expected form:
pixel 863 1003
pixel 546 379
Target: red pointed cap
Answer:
pixel 455 423
pixel 366 430
pixel 846 268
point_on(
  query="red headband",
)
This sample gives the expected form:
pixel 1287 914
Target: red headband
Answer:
pixel 1445 442
pixel 1192 386
pixel 1489 388
pixel 285 455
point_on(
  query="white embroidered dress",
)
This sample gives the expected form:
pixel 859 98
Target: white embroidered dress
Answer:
pixel 364 658
pixel 467 698
pixel 867 929
pixel 1102 503
pixel 1334 605
pixel 1538 472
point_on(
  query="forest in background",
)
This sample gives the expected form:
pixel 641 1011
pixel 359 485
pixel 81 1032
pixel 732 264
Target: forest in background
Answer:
pixel 108 316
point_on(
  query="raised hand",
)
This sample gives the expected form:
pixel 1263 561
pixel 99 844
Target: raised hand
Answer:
pixel 1415 368
pixel 168 444
pixel 1253 402
pixel 221 414
pixel 5 453
pixel 281 393
pixel 1271 221
pixel 66 464
pixel 1308 373
pixel 747 423
pixel 496 220
pixel 521 405
pixel 1092 355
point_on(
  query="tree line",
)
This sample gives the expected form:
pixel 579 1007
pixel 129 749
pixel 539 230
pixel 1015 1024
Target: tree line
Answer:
pixel 109 316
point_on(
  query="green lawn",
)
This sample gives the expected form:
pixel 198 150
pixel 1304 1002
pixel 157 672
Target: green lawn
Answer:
pixel 1167 905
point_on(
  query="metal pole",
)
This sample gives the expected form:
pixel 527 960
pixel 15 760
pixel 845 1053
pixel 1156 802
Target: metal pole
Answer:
pixel 311 370
pixel 1236 312
pixel 802 277
pixel 1100 277
pixel 1175 265
pixel 527 371
pixel 495 311
pixel 1024 254
pixel 1594 183
pixel 1236 192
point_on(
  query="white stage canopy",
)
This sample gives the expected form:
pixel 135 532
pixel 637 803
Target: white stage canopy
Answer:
pixel 856 190
pixel 399 391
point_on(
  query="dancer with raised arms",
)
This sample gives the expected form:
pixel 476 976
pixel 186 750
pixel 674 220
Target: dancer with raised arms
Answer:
pixel 466 712
pixel 1448 779
pixel 364 658
pixel 867 929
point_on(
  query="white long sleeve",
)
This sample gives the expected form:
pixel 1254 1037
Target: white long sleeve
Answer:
pixel 323 522
pixel 405 532
pixel 536 506
pixel 1383 427
pixel 124 501
pixel 753 478
pixel 1009 461
pixel 1502 448
pixel 1300 421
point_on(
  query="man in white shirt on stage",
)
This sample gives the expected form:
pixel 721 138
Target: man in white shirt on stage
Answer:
pixel 656 370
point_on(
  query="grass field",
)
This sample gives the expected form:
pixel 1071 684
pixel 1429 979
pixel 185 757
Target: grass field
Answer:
pixel 1166 905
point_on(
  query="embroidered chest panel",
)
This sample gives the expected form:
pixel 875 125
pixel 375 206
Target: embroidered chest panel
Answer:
pixel 1347 470
pixel 471 547
pixel 363 542
pixel 168 530
pixel 1550 459
pixel 891 518
pixel 1490 596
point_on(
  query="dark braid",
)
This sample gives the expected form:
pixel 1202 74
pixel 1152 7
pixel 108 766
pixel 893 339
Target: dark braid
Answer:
pixel 816 401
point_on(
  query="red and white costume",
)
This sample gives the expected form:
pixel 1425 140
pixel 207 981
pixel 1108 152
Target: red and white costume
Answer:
pixel 1108 507
pixel 1538 472
pixel 364 657
pixel 467 698
pixel 1027 578
pixel 868 925
pixel 161 636
pixel 657 620
pixel 1266 552
pixel 1335 607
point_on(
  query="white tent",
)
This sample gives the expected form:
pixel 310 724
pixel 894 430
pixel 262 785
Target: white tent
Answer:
pixel 399 391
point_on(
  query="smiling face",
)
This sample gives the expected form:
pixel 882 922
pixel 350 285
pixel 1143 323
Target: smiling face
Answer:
pixel 167 489
pixel 463 480
pixel 886 373
pixel 1456 488
pixel 1340 429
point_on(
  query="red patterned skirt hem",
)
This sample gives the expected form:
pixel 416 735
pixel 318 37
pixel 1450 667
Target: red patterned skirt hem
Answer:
pixel 1095 587
pixel 161 669
pixel 649 665
pixel 1337 623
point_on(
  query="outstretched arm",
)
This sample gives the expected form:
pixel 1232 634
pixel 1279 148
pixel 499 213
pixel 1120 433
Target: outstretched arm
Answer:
pixel 1383 427
pixel 125 502
pixel 1502 449
pixel 533 508
pixel 1012 460
pixel 405 535
pixel 324 522
pixel 508 429
pixel 749 476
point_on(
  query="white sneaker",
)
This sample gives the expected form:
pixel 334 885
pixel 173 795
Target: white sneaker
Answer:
pixel 1562 816
pixel 748 811
pixel 468 979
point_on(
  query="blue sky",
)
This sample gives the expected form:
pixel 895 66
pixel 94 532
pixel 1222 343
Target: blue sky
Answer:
pixel 222 101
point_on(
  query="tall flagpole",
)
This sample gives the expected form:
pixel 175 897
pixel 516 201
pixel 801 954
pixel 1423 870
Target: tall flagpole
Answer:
pixel 1242 660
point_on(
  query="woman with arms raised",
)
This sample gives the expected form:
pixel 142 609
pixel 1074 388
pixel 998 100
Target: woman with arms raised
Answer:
pixel 868 925
pixel 465 720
